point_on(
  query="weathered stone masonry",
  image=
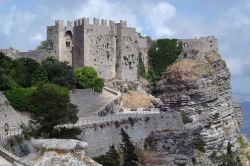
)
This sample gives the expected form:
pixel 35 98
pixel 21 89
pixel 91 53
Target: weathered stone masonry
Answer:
pixel 112 49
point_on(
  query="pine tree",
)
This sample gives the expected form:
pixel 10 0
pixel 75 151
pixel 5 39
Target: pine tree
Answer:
pixel 130 158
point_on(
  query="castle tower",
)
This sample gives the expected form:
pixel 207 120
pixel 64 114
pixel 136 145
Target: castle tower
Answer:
pixel 59 41
pixel 127 53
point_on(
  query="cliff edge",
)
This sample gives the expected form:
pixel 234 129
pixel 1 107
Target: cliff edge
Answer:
pixel 198 85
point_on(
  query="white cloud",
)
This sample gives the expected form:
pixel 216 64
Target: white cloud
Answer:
pixel 158 16
pixel 37 37
pixel 15 20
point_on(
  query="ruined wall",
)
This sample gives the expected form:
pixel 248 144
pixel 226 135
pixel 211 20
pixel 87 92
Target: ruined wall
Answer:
pixel 10 52
pixel 100 137
pixel 195 48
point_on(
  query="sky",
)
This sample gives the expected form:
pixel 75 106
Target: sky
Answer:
pixel 23 24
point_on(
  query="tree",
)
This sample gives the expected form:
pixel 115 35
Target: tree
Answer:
pixel 59 73
pixel 42 45
pixel 28 72
pixel 130 157
pixel 53 111
pixel 110 159
pixel 87 78
pixel 6 64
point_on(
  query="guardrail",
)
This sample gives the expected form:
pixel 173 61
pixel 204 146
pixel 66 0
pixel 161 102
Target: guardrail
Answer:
pixel 85 122
pixel 9 133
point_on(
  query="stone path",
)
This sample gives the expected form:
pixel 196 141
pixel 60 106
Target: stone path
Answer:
pixel 89 103
pixel 105 98
pixel 3 162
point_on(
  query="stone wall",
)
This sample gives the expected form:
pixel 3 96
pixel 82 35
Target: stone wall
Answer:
pixel 37 55
pixel 84 99
pixel 196 48
pixel 101 136
pixel 9 115
pixel 113 106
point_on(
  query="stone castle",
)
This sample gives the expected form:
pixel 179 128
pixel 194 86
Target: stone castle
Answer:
pixel 112 49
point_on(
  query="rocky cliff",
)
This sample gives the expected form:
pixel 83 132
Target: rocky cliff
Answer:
pixel 198 85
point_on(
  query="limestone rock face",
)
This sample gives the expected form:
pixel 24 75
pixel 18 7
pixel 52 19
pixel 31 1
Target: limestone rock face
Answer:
pixel 198 84
pixel 58 152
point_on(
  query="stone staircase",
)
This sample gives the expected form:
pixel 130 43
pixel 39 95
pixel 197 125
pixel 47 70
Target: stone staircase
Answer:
pixel 89 102
pixel 105 98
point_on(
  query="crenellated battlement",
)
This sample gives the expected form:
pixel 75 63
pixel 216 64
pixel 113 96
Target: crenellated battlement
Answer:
pixel 59 23
pixel 98 22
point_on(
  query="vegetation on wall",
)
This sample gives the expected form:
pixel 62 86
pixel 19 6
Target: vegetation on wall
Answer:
pixel 227 159
pixel 185 118
pixel 87 78
pixel 200 145
pixel 162 54
pixel 141 68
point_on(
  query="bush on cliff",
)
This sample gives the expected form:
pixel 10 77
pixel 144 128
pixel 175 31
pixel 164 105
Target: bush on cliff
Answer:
pixel 87 78
pixel 59 73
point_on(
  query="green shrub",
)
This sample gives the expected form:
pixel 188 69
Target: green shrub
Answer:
pixel 6 82
pixel 185 118
pixel 242 142
pixel 200 145
pixel 66 133
pixel 20 99
pixel 87 78
pixel 6 64
pixel 110 159
pixel 42 45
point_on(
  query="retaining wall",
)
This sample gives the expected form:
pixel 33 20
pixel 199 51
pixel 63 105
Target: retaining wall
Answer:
pixel 102 135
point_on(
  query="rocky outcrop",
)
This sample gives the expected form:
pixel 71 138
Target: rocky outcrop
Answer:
pixel 53 152
pixel 198 85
